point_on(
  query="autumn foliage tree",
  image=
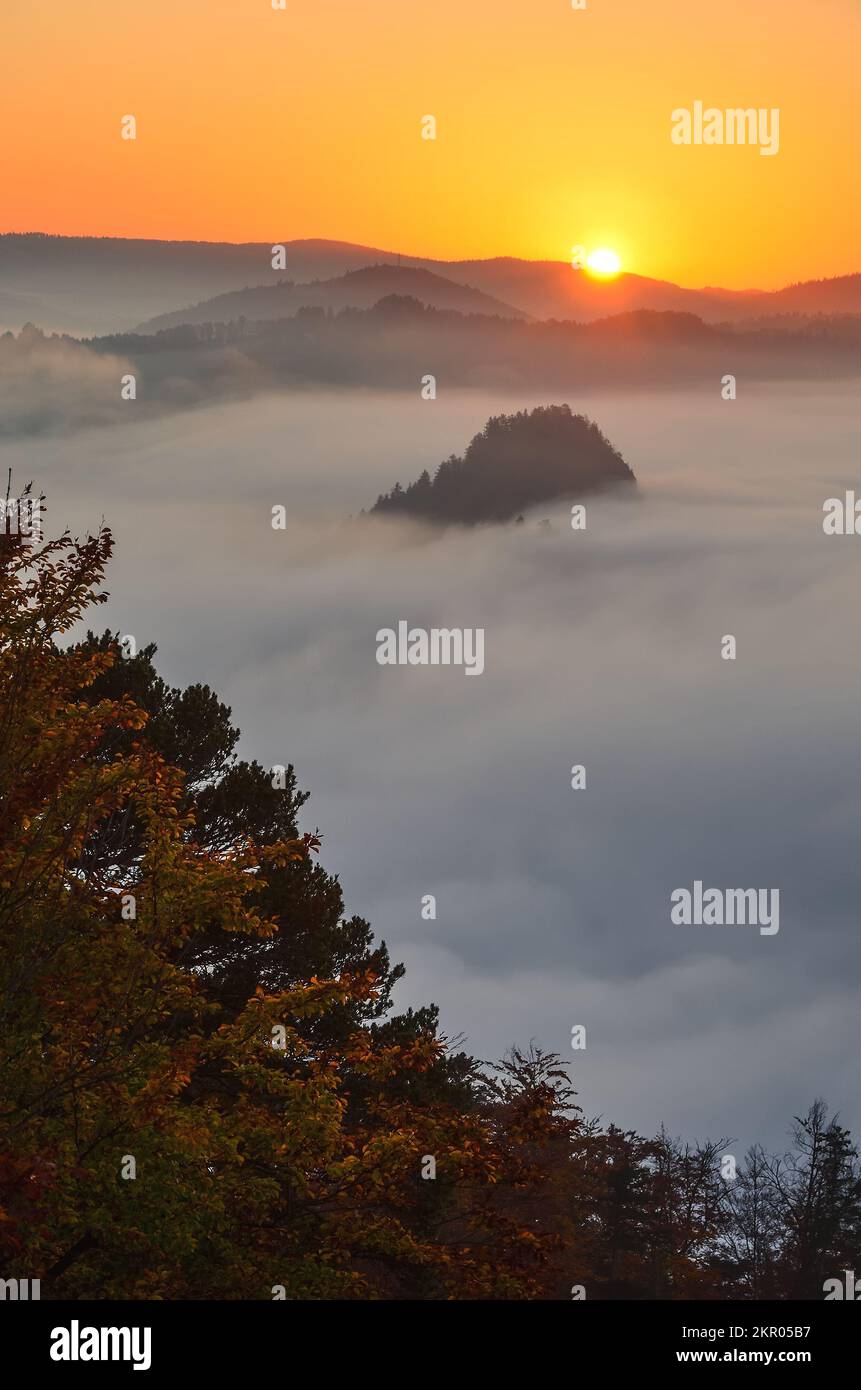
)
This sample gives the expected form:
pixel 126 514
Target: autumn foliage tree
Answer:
pixel 172 1125
pixel 204 1089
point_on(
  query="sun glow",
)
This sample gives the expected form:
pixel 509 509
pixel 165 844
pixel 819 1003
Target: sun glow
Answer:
pixel 603 262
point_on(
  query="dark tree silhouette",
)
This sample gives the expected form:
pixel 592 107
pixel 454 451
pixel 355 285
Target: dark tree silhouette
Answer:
pixel 515 462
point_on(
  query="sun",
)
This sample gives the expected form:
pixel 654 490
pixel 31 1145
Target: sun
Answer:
pixel 603 262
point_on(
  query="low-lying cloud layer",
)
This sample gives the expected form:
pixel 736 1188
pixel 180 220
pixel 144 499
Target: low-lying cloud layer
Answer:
pixel 602 648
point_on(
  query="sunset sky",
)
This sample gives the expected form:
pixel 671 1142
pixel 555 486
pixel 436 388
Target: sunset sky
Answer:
pixel 553 128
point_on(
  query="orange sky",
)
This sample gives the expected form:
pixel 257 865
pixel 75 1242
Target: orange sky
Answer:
pixel 553 127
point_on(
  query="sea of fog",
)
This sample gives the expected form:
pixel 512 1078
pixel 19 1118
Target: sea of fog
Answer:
pixel 602 648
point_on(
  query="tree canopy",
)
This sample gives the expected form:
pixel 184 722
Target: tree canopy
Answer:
pixel 205 1091
pixel 514 463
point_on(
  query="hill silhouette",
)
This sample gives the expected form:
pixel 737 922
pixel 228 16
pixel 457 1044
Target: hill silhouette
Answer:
pixel 93 285
pixel 357 289
pixel 515 462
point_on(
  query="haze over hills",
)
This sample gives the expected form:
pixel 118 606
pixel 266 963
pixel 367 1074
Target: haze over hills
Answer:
pixel 357 289
pixel 51 383
pixel 840 295
pixel 95 285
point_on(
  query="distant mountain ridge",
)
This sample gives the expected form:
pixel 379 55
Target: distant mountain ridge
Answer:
pixel 93 285
pixel 356 289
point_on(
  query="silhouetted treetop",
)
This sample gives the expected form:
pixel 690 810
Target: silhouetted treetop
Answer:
pixel 515 462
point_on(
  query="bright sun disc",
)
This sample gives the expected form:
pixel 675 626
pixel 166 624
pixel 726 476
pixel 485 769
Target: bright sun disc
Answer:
pixel 604 262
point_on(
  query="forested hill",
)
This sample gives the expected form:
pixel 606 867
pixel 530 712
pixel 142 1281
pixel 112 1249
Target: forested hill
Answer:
pixel 515 462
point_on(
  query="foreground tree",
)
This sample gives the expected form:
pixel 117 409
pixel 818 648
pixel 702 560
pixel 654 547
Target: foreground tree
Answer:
pixel 172 1125
pixel 203 1089
pixel 814 1197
